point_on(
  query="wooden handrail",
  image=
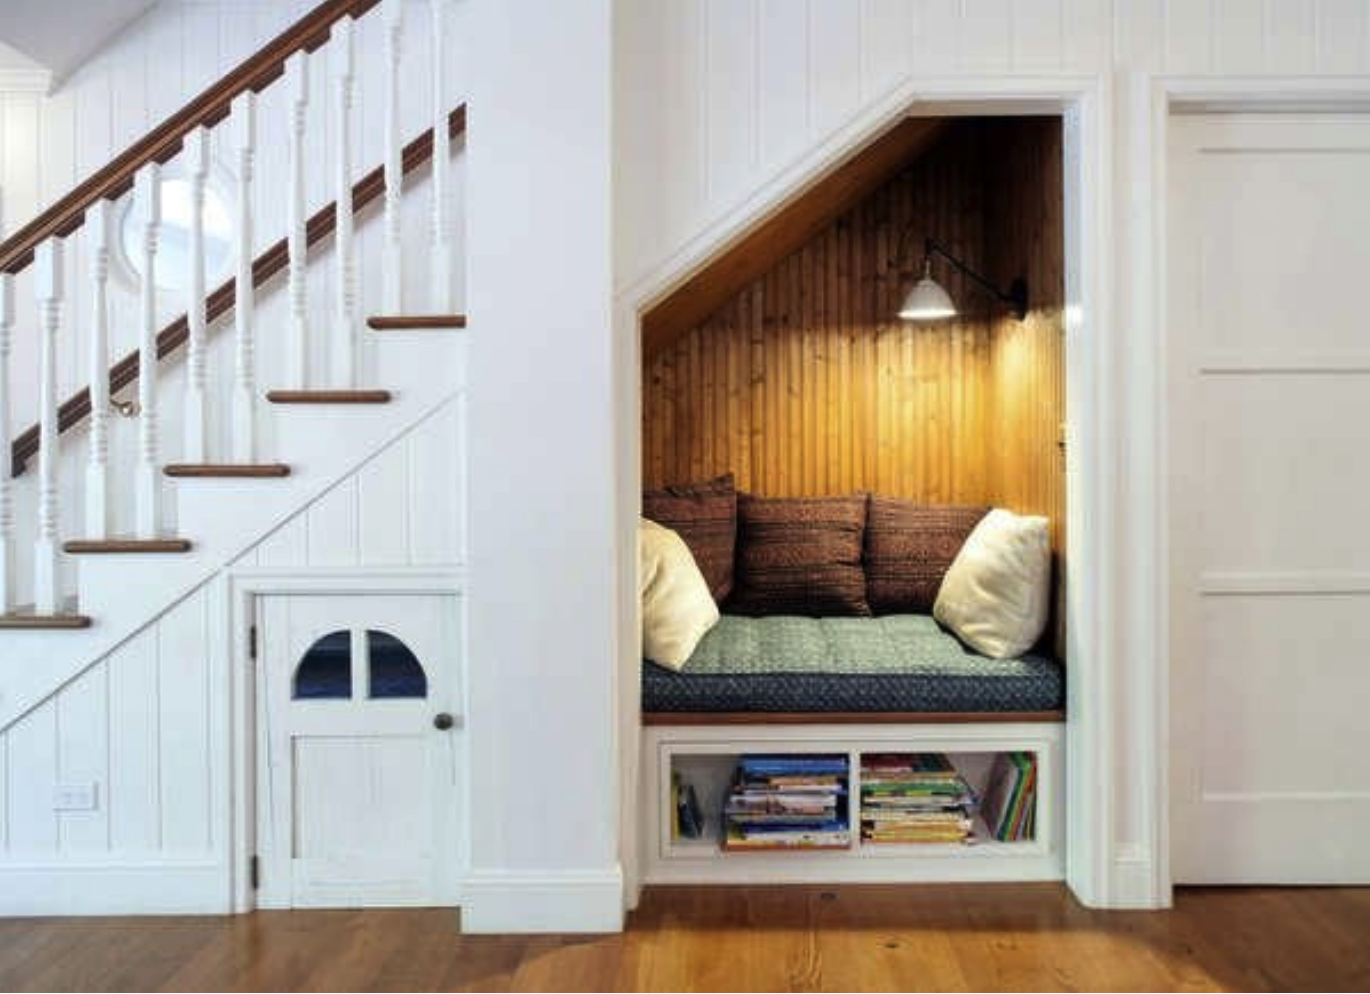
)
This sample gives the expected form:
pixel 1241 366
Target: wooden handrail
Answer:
pixel 163 142
pixel 267 265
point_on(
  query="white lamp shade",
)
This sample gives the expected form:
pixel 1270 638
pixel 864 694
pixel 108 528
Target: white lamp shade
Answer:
pixel 927 301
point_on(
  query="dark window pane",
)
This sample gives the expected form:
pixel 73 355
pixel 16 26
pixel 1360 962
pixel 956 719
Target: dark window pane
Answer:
pixel 395 672
pixel 326 669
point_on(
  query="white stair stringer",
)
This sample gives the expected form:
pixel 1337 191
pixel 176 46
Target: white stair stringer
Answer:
pixel 223 518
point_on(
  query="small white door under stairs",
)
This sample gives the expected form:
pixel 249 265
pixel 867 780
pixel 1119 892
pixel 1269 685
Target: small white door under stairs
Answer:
pixel 360 763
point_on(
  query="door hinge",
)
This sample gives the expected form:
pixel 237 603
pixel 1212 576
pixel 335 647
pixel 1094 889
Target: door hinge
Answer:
pixel 252 642
pixel 254 872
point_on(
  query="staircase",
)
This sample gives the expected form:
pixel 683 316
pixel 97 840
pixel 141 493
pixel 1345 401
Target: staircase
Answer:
pixel 253 397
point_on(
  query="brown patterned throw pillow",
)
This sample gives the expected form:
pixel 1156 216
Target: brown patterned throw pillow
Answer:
pixel 909 548
pixel 705 516
pixel 800 555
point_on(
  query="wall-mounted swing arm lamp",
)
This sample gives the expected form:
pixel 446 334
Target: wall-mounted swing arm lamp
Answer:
pixel 928 301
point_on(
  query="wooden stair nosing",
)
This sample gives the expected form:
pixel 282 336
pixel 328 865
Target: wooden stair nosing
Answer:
pixel 44 621
pixel 94 546
pixel 329 396
pixel 231 470
pixel 411 322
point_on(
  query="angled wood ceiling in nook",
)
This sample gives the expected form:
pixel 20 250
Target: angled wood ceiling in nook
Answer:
pixel 786 231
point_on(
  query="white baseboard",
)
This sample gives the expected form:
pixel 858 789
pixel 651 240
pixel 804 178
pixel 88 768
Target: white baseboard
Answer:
pixel 1134 883
pixel 94 887
pixel 503 901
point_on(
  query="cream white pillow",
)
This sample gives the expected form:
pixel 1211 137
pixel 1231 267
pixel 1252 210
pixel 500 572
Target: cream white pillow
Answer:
pixel 677 608
pixel 996 593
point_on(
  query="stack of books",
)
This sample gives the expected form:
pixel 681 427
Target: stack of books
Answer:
pixel 1010 806
pixel 914 798
pixel 788 802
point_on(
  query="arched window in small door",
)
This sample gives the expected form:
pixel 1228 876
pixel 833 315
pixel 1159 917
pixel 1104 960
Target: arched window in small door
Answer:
pixel 325 671
pixel 395 670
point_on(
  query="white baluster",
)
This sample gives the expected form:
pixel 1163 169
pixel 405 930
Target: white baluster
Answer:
pixel 344 358
pixel 7 579
pixel 245 359
pixel 47 281
pixel 147 192
pixel 297 81
pixel 441 276
pixel 197 372
pixel 99 228
pixel 392 259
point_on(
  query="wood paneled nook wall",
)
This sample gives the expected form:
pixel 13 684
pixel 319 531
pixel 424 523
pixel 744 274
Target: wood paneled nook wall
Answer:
pixel 807 383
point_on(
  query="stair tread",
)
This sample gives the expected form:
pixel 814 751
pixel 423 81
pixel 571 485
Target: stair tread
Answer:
pixel 230 470
pixel 400 322
pixel 329 396
pixel 117 545
pixel 62 621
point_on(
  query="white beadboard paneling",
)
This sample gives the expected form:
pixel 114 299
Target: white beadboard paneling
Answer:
pixel 1239 35
pixel 937 29
pixel 1340 36
pixel 986 35
pixel 332 526
pixel 730 46
pixel 783 37
pixel 183 695
pixel 886 44
pixel 1086 35
pixel 1189 36
pixel 835 61
pixel 437 496
pixel 1037 35
pixel 683 168
pixel 135 740
pixel 288 545
pixel 1291 36
pixel 30 776
pixel 83 758
pixel 19 180
pixel 381 503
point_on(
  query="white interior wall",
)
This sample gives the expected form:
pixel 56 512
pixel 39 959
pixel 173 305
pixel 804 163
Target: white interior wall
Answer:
pixel 545 797
pixel 717 100
pixel 148 724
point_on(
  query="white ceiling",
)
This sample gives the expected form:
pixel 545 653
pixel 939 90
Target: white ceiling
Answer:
pixel 60 35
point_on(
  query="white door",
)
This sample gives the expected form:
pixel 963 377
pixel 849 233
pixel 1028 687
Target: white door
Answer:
pixel 360 769
pixel 1269 345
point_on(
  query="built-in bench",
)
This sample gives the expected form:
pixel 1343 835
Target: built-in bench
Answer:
pixel 897 668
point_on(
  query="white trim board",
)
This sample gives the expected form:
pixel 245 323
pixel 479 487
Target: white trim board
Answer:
pixel 502 901
pixel 1098 598
pixel 158 886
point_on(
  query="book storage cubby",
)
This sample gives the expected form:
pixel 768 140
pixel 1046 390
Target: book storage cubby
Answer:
pixel 890 838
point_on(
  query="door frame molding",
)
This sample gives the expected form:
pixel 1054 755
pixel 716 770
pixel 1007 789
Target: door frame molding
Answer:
pixel 1156 100
pixel 243 585
pixel 1101 605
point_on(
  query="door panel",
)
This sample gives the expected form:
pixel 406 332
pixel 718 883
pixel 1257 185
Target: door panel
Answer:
pixel 360 791
pixel 1269 390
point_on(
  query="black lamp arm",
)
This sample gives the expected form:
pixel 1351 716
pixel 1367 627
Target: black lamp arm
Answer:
pixel 1016 296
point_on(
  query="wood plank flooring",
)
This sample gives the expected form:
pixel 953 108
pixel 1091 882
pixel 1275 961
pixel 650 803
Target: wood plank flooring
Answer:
pixel 976 938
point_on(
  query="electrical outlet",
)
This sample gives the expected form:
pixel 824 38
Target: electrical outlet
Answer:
pixel 74 797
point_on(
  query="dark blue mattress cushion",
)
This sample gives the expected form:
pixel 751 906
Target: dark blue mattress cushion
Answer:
pixel 892 663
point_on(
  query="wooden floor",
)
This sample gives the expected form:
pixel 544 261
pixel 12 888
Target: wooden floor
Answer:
pixel 984 937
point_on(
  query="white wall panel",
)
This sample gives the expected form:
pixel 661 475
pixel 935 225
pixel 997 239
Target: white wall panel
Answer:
pixel 783 110
pixel 140 723
pixel 83 758
pixel 834 62
pixel 886 44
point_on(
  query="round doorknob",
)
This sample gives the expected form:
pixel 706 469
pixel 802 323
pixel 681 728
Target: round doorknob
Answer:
pixel 442 722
